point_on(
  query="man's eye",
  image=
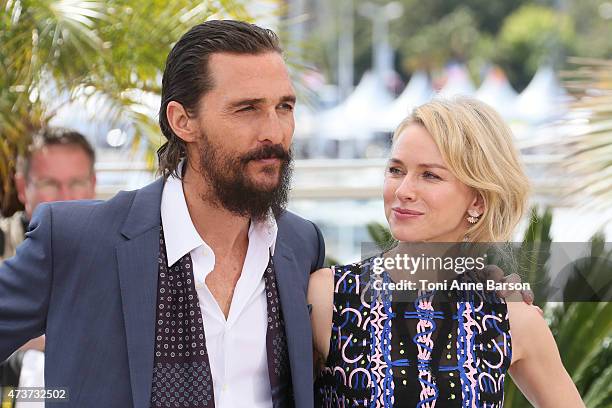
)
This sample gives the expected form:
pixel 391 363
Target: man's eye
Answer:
pixel 246 108
pixel 46 183
pixel 286 106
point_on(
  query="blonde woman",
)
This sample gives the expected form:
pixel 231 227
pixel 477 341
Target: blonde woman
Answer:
pixel 453 176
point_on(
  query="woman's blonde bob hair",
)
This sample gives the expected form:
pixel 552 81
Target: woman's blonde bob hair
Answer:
pixel 477 147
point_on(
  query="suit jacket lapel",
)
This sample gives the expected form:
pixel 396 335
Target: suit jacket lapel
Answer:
pixel 138 269
pixel 297 324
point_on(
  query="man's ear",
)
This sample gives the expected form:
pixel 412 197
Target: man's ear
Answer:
pixel 20 185
pixel 94 180
pixel 183 125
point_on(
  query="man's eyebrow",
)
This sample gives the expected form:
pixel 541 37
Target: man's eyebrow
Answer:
pixel 288 98
pixel 243 102
pixel 256 101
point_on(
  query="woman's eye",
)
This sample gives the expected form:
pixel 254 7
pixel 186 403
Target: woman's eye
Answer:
pixel 286 106
pixel 431 175
pixel 394 170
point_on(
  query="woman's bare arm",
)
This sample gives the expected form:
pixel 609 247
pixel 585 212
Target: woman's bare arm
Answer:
pixel 321 297
pixel 536 366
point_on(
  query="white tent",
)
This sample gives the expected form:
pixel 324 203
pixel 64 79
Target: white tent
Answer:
pixel 305 122
pixel 355 117
pixel 458 82
pixel 497 92
pixel 544 99
pixel 417 92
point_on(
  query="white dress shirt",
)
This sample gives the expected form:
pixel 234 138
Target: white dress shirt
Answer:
pixel 32 375
pixel 237 345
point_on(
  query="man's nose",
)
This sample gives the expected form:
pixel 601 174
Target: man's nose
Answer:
pixel 65 193
pixel 273 129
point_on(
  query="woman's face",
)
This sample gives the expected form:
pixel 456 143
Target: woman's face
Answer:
pixel 424 201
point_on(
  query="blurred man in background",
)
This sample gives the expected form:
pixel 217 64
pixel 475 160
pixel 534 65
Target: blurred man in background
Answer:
pixel 57 166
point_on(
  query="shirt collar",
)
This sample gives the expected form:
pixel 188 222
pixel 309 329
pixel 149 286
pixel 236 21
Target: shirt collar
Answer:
pixel 181 236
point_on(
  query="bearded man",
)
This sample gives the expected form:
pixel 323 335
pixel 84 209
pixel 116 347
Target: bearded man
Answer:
pixel 191 291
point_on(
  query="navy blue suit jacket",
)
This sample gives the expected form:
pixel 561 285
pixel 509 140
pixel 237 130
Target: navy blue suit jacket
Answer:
pixel 86 276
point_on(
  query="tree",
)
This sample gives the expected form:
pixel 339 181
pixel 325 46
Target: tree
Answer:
pixel 56 50
pixel 593 27
pixel 532 36
pixel 454 37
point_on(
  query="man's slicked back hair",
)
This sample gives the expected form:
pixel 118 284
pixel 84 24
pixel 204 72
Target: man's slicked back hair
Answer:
pixel 187 76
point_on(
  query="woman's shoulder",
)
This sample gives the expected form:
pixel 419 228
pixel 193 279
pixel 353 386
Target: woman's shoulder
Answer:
pixel 320 281
pixel 343 281
pixel 326 279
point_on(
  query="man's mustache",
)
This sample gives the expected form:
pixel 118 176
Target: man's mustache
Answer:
pixel 276 151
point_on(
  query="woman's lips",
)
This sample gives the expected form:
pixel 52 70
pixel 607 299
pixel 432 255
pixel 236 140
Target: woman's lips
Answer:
pixel 405 214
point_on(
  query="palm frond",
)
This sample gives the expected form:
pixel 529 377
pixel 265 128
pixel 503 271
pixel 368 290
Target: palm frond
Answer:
pixel 589 157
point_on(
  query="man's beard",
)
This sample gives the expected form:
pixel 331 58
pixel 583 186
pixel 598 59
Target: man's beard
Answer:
pixel 231 186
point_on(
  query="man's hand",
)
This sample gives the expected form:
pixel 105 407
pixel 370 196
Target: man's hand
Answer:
pixel 496 274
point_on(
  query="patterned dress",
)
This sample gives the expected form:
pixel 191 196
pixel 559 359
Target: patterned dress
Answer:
pixel 441 348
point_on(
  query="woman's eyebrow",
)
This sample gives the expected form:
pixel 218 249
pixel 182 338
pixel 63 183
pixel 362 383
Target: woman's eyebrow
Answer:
pixel 433 165
pixel 394 160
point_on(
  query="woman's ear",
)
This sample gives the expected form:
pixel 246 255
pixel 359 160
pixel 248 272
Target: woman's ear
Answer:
pixel 477 205
pixel 182 124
